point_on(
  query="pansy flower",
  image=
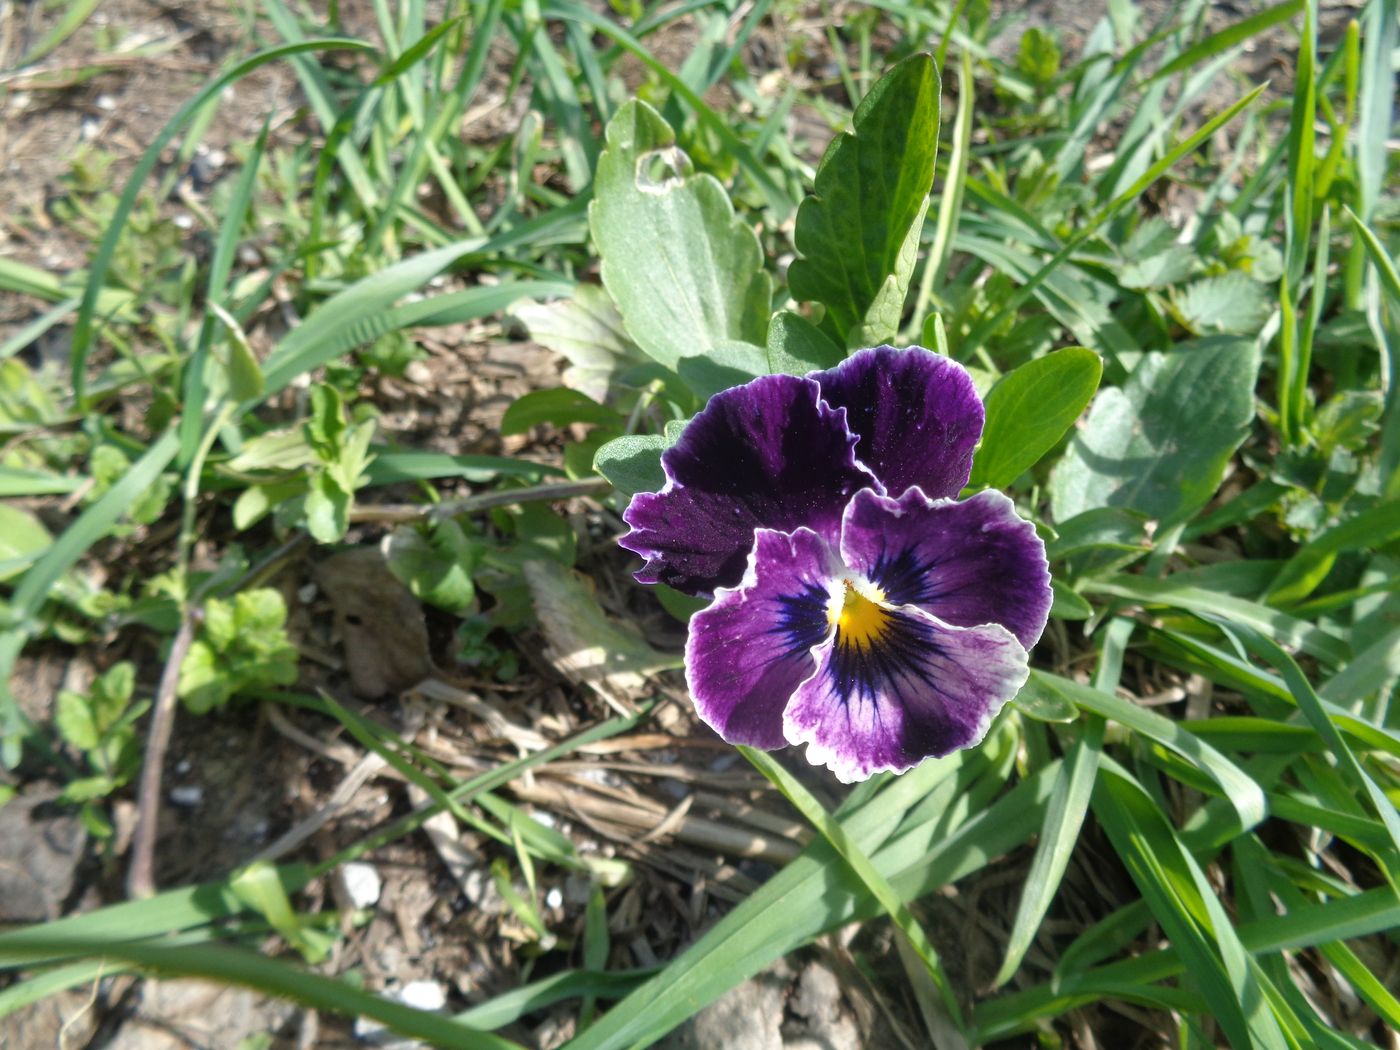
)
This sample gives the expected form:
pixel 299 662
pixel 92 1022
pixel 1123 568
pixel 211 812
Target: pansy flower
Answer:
pixel 858 606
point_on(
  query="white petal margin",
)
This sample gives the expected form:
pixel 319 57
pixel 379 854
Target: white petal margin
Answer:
pixel 931 690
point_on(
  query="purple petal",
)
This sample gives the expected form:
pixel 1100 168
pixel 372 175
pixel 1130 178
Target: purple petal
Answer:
pixel 752 647
pixel 968 563
pixel 920 690
pixel 769 454
pixel 916 413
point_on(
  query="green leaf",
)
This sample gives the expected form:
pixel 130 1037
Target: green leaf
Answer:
pixel 259 886
pixel 242 372
pixel 684 271
pixel 111 693
pixel 796 346
pixel 1029 410
pixel 1158 271
pixel 632 463
pixel 588 331
pixel 22 539
pixel 73 716
pixel 203 684
pixel 325 427
pixel 1232 303
pixel 560 407
pixel 724 365
pixel 435 563
pixel 327 509
pixel 85 789
pixel 1307 568
pixel 1161 443
pixel 259 610
pixel 1068 605
pixel 870 196
pixel 681 606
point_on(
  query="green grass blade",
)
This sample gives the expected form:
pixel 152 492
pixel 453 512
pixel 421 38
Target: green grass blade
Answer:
pixel 1069 803
pixel 815 814
pixel 74 15
pixel 247 969
pixel 1228 37
pixel 993 318
pixel 1314 711
pixel 102 259
pixel 1243 793
pixel 1314 639
pixel 1183 902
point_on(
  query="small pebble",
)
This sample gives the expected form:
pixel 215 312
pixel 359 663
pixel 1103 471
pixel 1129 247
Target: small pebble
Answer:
pixel 362 884
pixel 422 995
pixel 187 796
pixel 106 103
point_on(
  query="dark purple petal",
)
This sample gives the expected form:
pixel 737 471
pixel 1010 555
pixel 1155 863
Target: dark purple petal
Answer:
pixel 916 413
pixel 752 647
pixel 968 563
pixel 769 454
pixel 920 689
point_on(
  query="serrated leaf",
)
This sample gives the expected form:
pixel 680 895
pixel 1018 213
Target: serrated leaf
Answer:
pixel 259 610
pixel 1159 445
pixel 871 190
pixel 1030 409
pixel 685 272
pixel 588 331
pixel 1231 303
pixel 1158 271
pixel 203 685
pixel 559 406
pixel 1152 236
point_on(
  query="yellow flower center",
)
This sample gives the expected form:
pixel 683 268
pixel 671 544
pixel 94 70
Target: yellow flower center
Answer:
pixel 859 618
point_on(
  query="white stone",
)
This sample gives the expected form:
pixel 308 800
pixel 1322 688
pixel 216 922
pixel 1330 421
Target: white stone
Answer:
pixel 362 884
pixel 187 796
pixel 422 995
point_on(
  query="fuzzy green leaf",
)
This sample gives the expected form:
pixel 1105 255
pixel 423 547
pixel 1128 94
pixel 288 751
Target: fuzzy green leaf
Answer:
pixel 1159 445
pixel 685 273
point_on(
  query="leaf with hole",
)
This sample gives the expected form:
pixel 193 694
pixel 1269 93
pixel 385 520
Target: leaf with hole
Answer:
pixel 686 274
